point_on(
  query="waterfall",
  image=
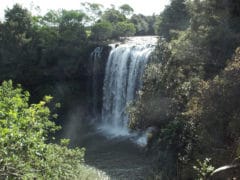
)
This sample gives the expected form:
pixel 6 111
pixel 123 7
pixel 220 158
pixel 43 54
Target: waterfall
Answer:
pixel 123 73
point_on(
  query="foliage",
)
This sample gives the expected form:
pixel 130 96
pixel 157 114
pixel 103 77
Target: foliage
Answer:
pixel 194 71
pixel 126 9
pixel 15 37
pixel 55 46
pixel 51 18
pixel 114 24
pixel 174 18
pixel 209 30
pixel 204 168
pixel 113 16
pixel 24 131
pixel 124 29
pixel 93 11
pixel 21 22
pixel 145 25
pixel 101 31
pixel 210 111
pixel 35 46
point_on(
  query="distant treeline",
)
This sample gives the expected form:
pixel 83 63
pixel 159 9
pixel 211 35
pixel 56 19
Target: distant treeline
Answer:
pixel 57 45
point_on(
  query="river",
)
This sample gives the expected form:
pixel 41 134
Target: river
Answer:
pixel 120 157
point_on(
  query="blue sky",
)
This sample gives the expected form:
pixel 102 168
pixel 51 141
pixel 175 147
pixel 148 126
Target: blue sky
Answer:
pixel 146 7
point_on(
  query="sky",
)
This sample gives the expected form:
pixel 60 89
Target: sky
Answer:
pixel 146 7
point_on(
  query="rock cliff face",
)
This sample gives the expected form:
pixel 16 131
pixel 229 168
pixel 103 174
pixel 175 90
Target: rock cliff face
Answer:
pixel 98 60
pixel 71 82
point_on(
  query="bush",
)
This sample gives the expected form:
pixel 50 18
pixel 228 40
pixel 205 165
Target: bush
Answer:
pixel 24 131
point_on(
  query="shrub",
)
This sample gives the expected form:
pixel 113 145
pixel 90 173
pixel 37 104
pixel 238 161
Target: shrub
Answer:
pixel 24 129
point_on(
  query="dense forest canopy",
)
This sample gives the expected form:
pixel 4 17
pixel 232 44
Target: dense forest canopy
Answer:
pixel 191 88
pixel 190 92
pixel 60 41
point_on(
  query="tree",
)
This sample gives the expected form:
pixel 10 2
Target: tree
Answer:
pixel 51 18
pixel 93 11
pixel 71 28
pixel 124 29
pixel 216 107
pixel 16 41
pixel 234 10
pixel 101 31
pixel 209 26
pixel 113 16
pixel 126 9
pixel 145 25
pixel 140 23
pixel 175 17
pixel 18 18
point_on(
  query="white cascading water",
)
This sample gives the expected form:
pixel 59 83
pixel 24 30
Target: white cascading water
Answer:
pixel 123 73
